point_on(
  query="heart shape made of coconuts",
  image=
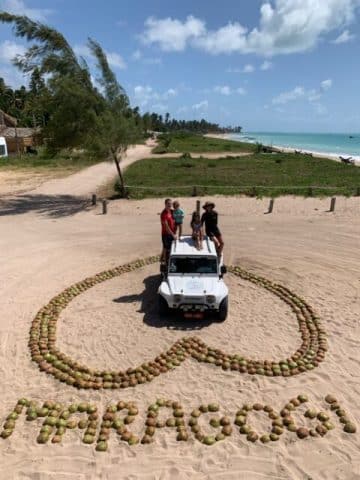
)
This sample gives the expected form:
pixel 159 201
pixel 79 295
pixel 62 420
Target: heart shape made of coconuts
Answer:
pixel 42 342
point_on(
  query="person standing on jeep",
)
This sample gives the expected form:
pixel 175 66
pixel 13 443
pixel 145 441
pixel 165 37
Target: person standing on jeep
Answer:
pixel 167 230
pixel 210 218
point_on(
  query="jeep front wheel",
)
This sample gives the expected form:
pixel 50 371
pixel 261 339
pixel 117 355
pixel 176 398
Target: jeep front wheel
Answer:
pixel 223 309
pixel 163 306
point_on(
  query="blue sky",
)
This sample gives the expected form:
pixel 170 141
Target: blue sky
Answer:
pixel 271 65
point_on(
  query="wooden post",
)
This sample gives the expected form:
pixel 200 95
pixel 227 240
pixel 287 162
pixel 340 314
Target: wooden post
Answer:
pixel 93 199
pixel 194 192
pixel 198 207
pixel 271 205
pixel 332 204
pixel 358 192
pixel 310 192
pixel 104 207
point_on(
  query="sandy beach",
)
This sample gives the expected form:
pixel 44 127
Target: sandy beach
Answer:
pixel 115 324
pixel 225 136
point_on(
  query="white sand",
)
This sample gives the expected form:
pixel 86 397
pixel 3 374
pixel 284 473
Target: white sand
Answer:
pixel 115 324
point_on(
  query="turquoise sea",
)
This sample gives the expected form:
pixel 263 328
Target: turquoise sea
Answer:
pixel 344 144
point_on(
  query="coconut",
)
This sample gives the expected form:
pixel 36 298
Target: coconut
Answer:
pixel 215 422
pixel 170 422
pixel 274 437
pixel 265 438
pixel 209 440
pixel 227 430
pixel 196 413
pixel 252 436
pixel 182 436
pixel 323 416
pixel 350 427
pixel 310 413
pixel 133 440
pixel 101 446
pixel 213 407
pixel 245 429
pixel 150 431
pixel 42 438
pixel 146 439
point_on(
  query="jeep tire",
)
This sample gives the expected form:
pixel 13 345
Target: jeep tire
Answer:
pixel 163 306
pixel 223 309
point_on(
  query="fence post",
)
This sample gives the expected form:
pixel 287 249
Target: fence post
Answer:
pixel 93 199
pixel 310 192
pixel 332 204
pixel 104 207
pixel 198 207
pixel 271 205
pixel 358 192
pixel 194 192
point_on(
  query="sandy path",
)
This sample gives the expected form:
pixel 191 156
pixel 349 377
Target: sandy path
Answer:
pixel 300 245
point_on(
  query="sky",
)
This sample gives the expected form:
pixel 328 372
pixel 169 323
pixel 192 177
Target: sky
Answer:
pixel 266 65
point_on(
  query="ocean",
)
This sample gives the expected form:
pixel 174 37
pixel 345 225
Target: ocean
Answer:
pixel 336 144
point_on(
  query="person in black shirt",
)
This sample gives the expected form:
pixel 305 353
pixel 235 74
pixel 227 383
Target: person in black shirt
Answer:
pixel 210 218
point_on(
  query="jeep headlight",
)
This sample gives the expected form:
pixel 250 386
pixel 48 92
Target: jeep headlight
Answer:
pixel 210 298
pixel 177 298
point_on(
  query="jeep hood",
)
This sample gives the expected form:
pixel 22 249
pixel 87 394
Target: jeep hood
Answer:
pixel 188 285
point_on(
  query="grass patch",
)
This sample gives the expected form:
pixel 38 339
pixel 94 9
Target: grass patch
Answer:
pixel 255 175
pixel 183 142
pixel 64 161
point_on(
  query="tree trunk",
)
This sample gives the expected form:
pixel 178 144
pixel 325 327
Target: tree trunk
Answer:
pixel 118 168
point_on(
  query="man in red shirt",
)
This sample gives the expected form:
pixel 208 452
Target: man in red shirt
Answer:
pixel 167 229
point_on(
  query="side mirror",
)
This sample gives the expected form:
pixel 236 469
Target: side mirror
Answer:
pixel 223 270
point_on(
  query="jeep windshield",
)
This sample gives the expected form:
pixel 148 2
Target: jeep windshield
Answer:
pixel 193 265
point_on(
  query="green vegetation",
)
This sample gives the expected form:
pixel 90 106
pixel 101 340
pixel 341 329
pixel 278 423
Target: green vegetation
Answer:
pixel 186 142
pixel 64 161
pixel 256 175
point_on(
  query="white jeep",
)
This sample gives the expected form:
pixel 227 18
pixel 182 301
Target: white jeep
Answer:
pixel 193 281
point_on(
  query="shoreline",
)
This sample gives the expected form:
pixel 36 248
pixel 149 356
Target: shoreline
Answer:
pixel 281 149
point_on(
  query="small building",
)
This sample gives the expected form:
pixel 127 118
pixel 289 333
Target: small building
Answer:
pixel 19 140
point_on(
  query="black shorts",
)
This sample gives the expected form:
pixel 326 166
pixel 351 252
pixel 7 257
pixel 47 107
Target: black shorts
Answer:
pixel 214 232
pixel 167 241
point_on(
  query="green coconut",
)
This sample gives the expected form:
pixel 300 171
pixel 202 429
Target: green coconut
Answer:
pixel 215 422
pixel 213 407
pixel 209 440
pixel 101 446
pixel 133 440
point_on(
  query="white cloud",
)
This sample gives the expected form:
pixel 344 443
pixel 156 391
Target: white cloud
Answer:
pixel 223 90
pixel 241 91
pixel 313 95
pixel 226 90
pixel 171 92
pixel 172 34
pixel 114 59
pixel 285 26
pixel 182 109
pixel 9 50
pixel 286 97
pixel 344 37
pixel 248 68
pixel 159 107
pixel 139 57
pixel 228 39
pixel 326 84
pixel 266 65
pixel 136 55
pixel 18 7
pixel 12 76
pixel 201 105
pixel 144 94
